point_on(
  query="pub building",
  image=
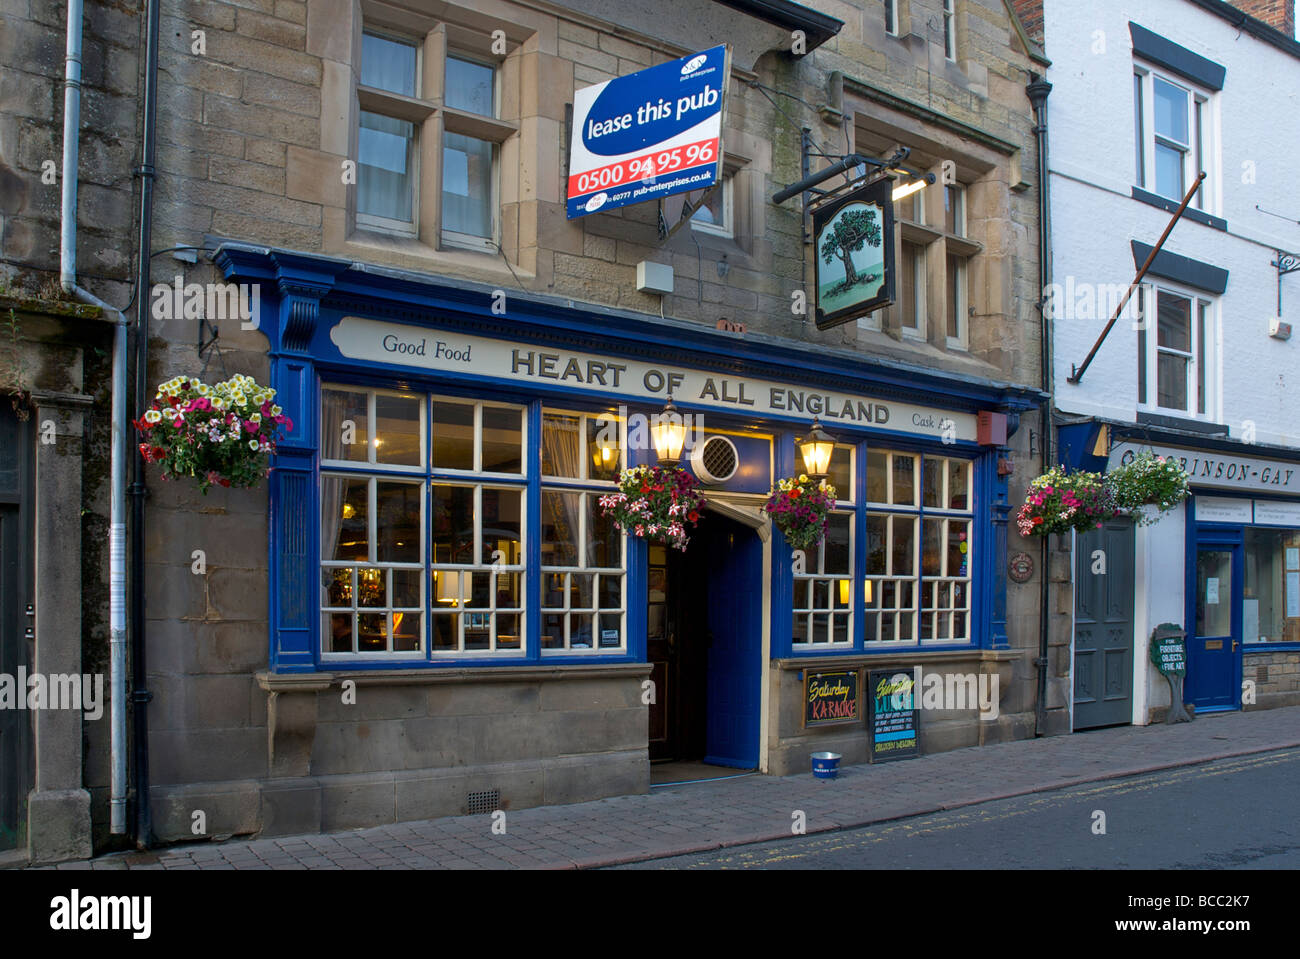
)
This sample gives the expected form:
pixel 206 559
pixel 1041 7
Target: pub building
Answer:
pixel 436 537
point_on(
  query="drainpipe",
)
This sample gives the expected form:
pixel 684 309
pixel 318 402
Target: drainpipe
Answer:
pixel 141 696
pixel 117 482
pixel 1037 91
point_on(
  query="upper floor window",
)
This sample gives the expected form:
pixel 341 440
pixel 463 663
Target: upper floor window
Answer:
pixel 891 17
pixel 429 130
pixel 1175 352
pixel 1170 127
pixel 949 29
pixel 715 215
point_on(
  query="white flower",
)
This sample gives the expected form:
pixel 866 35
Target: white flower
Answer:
pixel 169 413
pixel 152 416
pixel 255 418
pixel 276 411
pixel 252 445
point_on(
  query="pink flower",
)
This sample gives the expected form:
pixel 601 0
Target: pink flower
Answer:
pixel 250 426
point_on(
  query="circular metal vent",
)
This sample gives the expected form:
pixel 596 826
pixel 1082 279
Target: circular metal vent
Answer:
pixel 715 460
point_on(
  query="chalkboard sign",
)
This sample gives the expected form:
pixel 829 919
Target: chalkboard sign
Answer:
pixel 1169 649
pixel 893 725
pixel 831 698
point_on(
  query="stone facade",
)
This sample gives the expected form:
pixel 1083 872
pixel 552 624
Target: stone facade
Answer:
pixel 1276 674
pixel 257 123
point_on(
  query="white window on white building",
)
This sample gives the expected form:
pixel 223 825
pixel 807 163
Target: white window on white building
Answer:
pixel 1171 128
pixel 1176 352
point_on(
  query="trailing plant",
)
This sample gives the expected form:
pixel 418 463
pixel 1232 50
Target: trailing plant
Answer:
pixel 655 503
pixel 800 507
pixel 222 433
pixel 1148 480
pixel 1060 501
pixel 13 379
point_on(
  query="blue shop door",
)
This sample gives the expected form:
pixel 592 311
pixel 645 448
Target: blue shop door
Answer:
pixel 1214 649
pixel 735 643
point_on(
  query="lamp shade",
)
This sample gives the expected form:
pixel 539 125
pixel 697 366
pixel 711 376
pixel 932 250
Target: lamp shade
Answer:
pixel 447 586
pixel 668 433
pixel 816 448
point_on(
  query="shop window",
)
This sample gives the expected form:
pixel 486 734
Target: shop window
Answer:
pixel 918 548
pixel 372 566
pixel 1271 587
pixel 1171 135
pixel 823 598
pixel 426 564
pixel 1175 364
pixel 413 144
pixel 582 446
pixel 583 574
pixel 477 568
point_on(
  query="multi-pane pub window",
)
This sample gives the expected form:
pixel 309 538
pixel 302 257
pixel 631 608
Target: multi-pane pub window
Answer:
pixel 583 567
pixel 422 525
pixel 918 548
pixel 823 594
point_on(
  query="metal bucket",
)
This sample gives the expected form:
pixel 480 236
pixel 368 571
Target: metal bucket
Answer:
pixel 826 765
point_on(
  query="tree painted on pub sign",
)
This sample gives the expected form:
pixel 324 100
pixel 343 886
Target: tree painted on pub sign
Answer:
pixel 846 235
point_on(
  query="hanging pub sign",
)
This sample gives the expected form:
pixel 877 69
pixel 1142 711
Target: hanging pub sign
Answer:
pixel 830 698
pixel 649 134
pixel 854 249
pixel 892 731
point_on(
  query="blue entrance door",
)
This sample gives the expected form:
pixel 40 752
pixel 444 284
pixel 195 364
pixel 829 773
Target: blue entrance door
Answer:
pixel 735 589
pixel 1214 648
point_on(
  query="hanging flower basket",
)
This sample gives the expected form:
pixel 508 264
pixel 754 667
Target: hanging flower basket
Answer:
pixel 220 434
pixel 799 507
pixel 1148 480
pixel 655 503
pixel 1058 502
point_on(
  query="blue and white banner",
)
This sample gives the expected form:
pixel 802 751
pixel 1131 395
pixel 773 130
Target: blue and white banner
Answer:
pixel 649 134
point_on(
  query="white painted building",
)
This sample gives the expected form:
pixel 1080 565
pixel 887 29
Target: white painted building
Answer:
pixel 1144 97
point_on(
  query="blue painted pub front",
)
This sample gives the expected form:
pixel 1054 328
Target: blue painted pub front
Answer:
pixel 436 506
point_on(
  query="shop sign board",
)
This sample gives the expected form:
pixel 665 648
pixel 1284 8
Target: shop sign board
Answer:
pixel 1225 471
pixel 892 728
pixel 649 134
pixel 379 341
pixel 831 698
pixel 853 238
pixel 1169 650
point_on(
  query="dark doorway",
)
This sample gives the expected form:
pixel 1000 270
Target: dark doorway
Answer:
pixel 705 646
pixel 1103 626
pixel 15 647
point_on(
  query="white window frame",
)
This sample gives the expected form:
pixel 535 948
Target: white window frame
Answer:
pixel 372 454
pixel 727 228
pixel 455 475
pixel 1203 358
pixel 1199 131
pixel 833 611
pixel 371 221
pixel 372 561
pixel 891 17
pixel 470 241
pixel 919 263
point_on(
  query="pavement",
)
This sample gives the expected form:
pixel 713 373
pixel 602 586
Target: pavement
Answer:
pixel 682 819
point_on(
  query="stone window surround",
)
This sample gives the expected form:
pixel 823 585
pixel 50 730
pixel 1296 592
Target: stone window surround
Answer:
pixel 978 172
pixel 520 138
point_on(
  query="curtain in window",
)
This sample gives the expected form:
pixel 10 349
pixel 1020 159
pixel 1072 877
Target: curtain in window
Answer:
pixel 562 451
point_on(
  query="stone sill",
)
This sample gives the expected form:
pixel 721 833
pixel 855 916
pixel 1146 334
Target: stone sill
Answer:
pixel 317 682
pixel 898 658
